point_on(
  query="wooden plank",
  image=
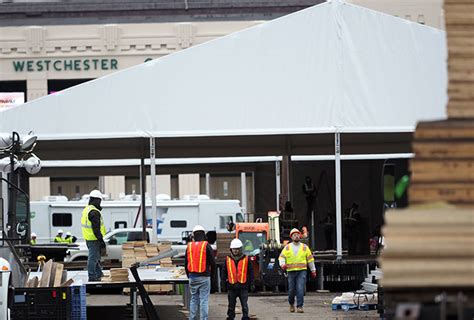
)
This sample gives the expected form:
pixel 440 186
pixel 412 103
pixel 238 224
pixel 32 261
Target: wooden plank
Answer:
pixel 46 274
pixel 58 275
pixel 67 283
pixel 446 150
pixel 449 192
pixel 53 274
pixel 442 170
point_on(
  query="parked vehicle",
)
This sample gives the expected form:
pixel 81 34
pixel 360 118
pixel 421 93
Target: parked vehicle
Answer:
pixel 178 216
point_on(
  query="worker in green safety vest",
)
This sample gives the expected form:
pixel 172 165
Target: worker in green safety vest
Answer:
pixel 59 236
pixel 69 239
pixel 93 231
pixel 33 238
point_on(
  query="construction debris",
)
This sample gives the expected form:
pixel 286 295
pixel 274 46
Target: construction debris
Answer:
pixel 53 275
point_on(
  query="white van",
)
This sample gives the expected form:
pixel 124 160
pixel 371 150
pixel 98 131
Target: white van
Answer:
pixel 178 216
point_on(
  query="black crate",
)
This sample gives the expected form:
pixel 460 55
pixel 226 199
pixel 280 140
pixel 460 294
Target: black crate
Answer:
pixel 48 303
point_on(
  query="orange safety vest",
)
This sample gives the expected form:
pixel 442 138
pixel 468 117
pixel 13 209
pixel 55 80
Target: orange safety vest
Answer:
pixel 197 256
pixel 239 275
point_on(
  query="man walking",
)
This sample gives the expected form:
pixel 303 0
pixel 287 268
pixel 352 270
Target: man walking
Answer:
pixel 294 259
pixel 93 231
pixel 199 264
pixel 239 277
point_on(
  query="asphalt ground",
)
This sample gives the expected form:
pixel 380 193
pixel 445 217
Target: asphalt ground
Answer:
pixel 317 306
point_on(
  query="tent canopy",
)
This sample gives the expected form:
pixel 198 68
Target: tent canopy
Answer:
pixel 282 87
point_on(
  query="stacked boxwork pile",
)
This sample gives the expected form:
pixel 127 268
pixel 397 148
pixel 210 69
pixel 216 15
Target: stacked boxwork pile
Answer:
pixel 139 251
pixel 443 168
pixel 223 245
pixel 459 15
pixel 430 246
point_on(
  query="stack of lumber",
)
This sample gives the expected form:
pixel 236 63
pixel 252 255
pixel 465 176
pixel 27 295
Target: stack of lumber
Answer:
pixel 52 275
pixel 139 251
pixel 119 275
pixel 429 247
pixel 223 245
pixel 459 16
pixel 443 167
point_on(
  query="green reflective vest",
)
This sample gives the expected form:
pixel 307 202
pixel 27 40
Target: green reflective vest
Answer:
pixel 86 224
pixel 58 239
pixel 32 241
pixel 68 240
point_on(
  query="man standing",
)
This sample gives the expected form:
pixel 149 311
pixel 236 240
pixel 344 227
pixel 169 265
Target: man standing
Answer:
pixel 93 231
pixel 238 275
pixel 294 259
pixel 199 263
pixel 59 236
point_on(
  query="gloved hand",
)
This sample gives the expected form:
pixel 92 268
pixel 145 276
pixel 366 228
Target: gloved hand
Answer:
pixel 103 250
pixel 252 287
pixel 102 243
pixel 283 267
pixel 313 274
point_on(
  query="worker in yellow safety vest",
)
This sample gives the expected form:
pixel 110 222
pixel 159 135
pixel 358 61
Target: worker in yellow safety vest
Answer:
pixel 295 258
pixel 69 239
pixel 93 231
pixel 59 236
pixel 33 238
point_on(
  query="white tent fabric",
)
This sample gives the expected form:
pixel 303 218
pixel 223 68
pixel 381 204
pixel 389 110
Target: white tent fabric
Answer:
pixel 334 65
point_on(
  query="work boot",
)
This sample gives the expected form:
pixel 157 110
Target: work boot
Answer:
pixel 292 308
pixel 300 310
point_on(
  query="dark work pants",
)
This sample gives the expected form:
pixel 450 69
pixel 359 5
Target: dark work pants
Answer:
pixel 243 295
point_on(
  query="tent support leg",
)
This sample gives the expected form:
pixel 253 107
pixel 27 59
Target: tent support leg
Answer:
pixel 337 145
pixel 154 217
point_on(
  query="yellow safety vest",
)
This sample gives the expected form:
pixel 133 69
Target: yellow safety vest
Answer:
pixel 300 260
pixel 32 241
pixel 58 239
pixel 68 240
pixel 86 224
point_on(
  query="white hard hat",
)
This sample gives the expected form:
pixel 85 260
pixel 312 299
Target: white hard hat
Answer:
pixel 4 265
pixel 60 231
pixel 294 230
pixel 33 234
pixel 96 194
pixel 236 244
pixel 198 228
pixel 68 233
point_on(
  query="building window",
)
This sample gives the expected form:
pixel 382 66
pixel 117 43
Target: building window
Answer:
pixel 178 224
pixel 62 219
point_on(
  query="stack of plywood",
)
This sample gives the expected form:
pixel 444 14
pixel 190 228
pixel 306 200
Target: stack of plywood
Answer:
pixel 223 245
pixel 430 247
pixel 139 251
pixel 119 275
pixel 459 16
pixel 443 167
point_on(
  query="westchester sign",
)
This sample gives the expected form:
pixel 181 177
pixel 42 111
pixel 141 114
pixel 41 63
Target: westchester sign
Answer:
pixel 64 65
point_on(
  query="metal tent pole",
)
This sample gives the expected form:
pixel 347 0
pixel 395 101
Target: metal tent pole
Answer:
pixel 154 214
pixel 337 143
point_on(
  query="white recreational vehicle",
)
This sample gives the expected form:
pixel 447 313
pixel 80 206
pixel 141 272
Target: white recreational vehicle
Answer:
pixel 178 216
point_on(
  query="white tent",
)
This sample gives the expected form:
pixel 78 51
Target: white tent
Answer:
pixel 331 65
pixel 330 69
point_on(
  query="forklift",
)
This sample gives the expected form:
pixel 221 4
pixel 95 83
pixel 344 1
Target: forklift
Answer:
pixel 261 243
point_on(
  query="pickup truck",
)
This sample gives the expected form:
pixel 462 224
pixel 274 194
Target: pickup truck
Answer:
pixel 114 240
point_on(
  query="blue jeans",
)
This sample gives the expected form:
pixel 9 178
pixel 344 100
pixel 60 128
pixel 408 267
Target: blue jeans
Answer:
pixel 296 282
pixel 94 270
pixel 200 288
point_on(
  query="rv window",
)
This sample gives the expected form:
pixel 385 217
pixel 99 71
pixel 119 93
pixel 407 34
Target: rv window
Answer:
pixel 62 219
pixel 239 217
pixel 120 224
pixel 224 221
pixel 178 224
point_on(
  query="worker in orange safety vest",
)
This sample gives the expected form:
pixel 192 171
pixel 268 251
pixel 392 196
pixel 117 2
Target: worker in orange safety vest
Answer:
pixel 239 278
pixel 295 258
pixel 199 264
